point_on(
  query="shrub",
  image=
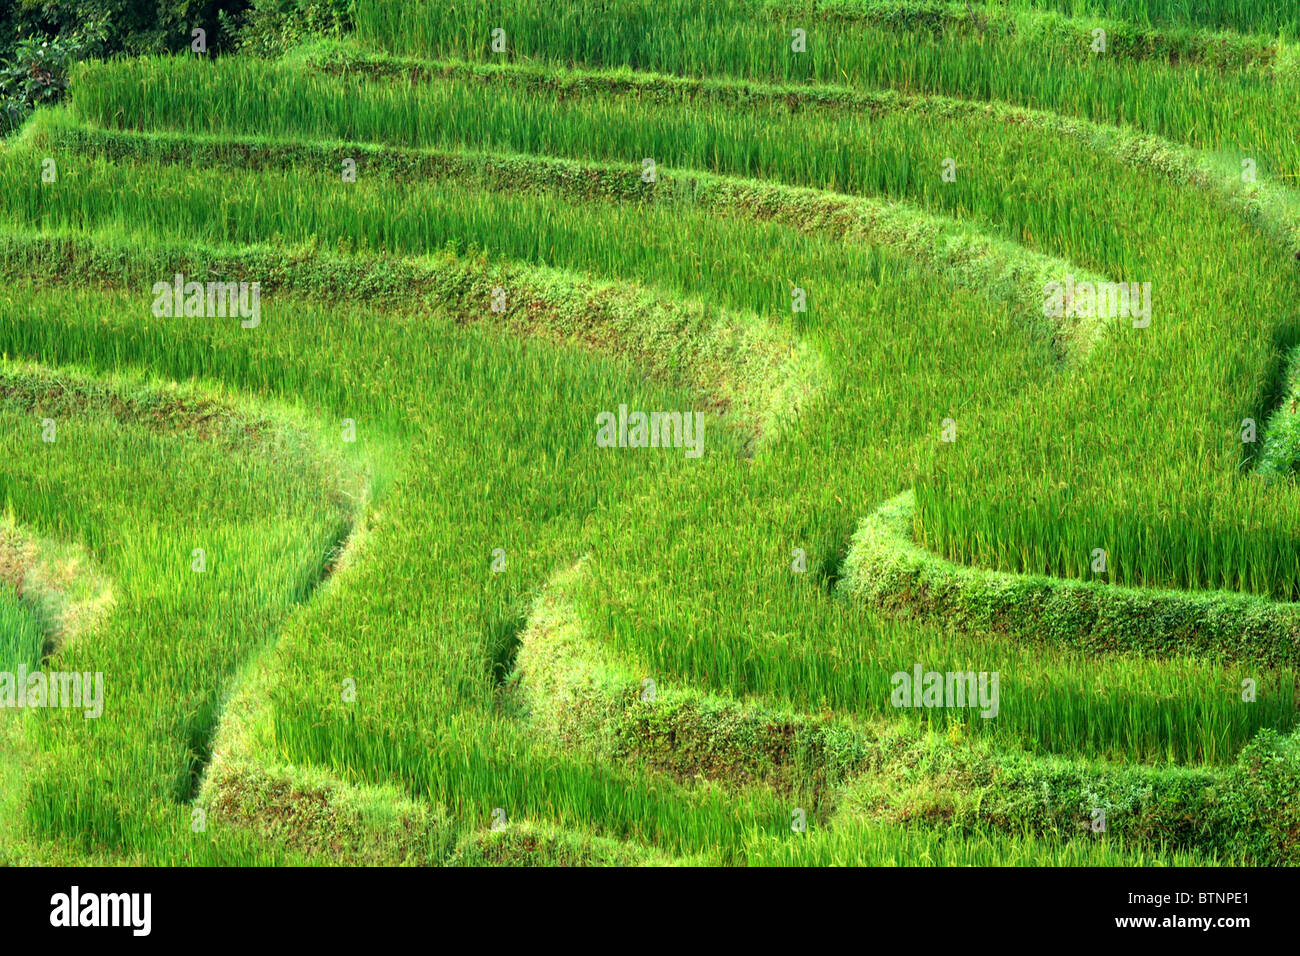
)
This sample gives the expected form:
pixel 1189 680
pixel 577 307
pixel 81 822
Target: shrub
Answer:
pixel 37 73
pixel 270 27
pixel 132 27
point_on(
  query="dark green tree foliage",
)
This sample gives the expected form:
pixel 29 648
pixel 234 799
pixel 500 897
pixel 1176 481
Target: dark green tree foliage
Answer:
pixel 40 40
pixel 269 27
pixel 37 73
pixel 132 27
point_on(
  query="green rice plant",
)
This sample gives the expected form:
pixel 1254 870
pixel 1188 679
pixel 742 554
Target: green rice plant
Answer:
pixel 1215 739
pixel 219 488
pixel 868 845
pixel 386 694
pixel 1052 66
pixel 1242 15
pixel 885 569
pixel 60 806
pixel 21 637
pixel 1214 735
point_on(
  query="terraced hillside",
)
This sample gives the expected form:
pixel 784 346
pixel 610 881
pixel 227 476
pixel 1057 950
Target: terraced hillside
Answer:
pixel 379 564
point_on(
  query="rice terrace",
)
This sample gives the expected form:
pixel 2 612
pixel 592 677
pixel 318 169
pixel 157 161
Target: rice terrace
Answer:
pixel 612 433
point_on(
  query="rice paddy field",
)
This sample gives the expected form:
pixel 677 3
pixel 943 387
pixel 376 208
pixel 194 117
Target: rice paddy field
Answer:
pixel 324 421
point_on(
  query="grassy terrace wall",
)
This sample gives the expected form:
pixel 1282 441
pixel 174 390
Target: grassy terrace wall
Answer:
pixel 887 570
pixel 844 772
